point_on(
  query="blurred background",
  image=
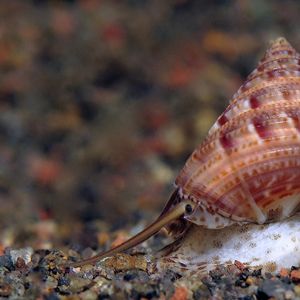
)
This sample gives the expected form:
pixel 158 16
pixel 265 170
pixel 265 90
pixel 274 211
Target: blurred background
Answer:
pixel 101 103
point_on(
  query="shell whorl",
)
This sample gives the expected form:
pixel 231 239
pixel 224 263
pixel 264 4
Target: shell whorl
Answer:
pixel 248 167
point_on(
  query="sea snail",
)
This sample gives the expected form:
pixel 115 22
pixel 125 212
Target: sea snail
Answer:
pixel 247 170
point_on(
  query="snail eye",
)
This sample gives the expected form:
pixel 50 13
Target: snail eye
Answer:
pixel 188 209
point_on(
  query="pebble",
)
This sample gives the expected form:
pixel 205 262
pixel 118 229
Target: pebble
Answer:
pixel 25 254
pixel 6 262
pixel 51 283
pixel 239 265
pixel 181 293
pixel 201 293
pixel 297 290
pixel 148 291
pixel 5 290
pixel 63 281
pixel 272 288
pixel 250 280
pixel 284 272
pixel 77 284
pixel 89 295
pixel 295 275
pixel 122 262
pixel 289 295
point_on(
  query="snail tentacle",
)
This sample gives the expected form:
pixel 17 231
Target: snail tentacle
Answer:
pixel 185 207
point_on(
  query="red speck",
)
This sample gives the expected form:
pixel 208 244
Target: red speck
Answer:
pixel 260 68
pixel 226 141
pixel 262 129
pixel 239 265
pixel 254 103
pixel 113 33
pixel 63 22
pixel 45 214
pixel 296 122
pixel 45 171
pixel 180 76
pixel 155 116
pixel 222 120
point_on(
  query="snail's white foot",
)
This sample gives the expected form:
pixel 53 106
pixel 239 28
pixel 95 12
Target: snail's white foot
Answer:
pixel 270 247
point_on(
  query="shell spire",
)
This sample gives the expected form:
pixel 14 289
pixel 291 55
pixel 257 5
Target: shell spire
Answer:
pixel 278 47
pixel 248 167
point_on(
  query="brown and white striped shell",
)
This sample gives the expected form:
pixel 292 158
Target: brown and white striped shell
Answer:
pixel 248 167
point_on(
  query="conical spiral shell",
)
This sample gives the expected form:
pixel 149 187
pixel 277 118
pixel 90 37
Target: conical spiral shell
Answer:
pixel 248 167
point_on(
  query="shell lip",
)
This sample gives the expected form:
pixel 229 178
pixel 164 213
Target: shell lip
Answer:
pixel 199 202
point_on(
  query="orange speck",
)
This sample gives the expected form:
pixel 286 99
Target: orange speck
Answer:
pixel 239 265
pixel 181 293
pixel 46 171
pixel 102 238
pixel 2 248
pixel 284 272
pixel 121 238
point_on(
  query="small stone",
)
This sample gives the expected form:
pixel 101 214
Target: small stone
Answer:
pixel 90 295
pixel 295 275
pixel 63 281
pixel 272 288
pixel 123 262
pixel 5 290
pixel 201 293
pixel 250 280
pixel 5 261
pixel 284 272
pixel 25 254
pixel 103 238
pixel 87 268
pixel 129 276
pixel 20 263
pixel 243 276
pixel 239 265
pixel 77 284
pixel 87 252
pixel 103 296
pixel 51 283
pixel 297 290
pixel 143 290
pixel 289 295
pixel 256 273
pixel 241 283
pixel 18 290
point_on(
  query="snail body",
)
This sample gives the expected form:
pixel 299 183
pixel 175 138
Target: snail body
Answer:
pixel 269 247
pixel 247 170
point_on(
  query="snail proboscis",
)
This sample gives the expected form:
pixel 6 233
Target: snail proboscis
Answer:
pixel 246 171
